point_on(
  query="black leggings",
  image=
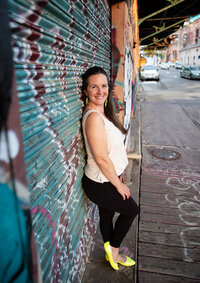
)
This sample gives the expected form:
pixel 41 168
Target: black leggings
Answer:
pixel 109 201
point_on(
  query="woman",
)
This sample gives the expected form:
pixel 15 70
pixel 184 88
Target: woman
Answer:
pixel 106 161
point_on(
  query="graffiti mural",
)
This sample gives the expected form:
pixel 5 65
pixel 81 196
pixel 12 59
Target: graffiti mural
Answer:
pixel 54 42
pixel 128 86
pixel 116 61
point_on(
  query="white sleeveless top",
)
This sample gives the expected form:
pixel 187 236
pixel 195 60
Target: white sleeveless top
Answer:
pixel 116 151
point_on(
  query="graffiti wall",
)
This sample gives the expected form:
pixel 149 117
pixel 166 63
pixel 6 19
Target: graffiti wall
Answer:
pixel 53 43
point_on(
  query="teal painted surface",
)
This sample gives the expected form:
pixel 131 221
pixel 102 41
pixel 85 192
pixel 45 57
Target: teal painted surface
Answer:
pixel 54 42
pixel 14 239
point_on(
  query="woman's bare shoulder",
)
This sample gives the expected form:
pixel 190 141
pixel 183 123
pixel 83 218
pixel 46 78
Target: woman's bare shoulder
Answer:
pixel 93 115
pixel 94 120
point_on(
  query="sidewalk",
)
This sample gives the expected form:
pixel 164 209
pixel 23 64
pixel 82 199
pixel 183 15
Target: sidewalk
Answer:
pixel 98 269
pixel 169 227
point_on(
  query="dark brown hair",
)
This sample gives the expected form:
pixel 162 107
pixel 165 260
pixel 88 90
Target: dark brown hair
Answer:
pixel 109 109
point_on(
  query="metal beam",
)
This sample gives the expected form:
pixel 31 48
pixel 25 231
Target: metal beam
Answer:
pixel 173 3
pixel 155 41
pixel 170 18
pixel 161 30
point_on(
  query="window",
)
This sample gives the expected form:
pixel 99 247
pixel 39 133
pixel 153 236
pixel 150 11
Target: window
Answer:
pixel 197 37
pixel 195 68
pixel 175 55
pixel 185 39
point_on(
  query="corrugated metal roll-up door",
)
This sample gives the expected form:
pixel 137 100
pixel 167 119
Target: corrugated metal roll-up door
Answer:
pixel 54 42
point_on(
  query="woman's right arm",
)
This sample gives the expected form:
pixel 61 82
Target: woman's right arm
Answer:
pixel 96 136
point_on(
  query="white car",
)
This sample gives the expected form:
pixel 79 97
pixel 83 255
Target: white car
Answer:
pixel 171 64
pixel 149 72
pixel 164 65
pixel 178 65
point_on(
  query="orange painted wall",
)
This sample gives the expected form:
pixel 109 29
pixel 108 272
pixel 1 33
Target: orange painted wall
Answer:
pixel 118 35
pixel 125 60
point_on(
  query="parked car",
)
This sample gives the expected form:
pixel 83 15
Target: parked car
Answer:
pixel 149 72
pixel 190 72
pixel 178 65
pixel 171 64
pixel 164 65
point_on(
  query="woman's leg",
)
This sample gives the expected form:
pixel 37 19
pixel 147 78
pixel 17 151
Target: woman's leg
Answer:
pixel 106 223
pixel 106 196
pixel 121 228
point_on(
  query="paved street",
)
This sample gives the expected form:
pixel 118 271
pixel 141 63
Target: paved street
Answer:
pixel 169 229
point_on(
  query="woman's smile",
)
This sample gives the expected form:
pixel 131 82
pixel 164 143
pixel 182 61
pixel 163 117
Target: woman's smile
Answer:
pixel 100 97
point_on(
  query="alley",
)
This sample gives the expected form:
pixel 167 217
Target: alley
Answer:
pixel 169 230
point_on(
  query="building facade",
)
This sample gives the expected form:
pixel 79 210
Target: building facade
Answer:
pixel 185 47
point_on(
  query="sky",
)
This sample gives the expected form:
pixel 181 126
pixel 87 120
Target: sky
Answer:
pixel 194 18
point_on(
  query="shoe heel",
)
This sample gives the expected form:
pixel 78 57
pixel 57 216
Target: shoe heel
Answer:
pixel 108 250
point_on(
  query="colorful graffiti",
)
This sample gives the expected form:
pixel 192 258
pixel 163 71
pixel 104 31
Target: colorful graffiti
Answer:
pixel 116 62
pixel 53 44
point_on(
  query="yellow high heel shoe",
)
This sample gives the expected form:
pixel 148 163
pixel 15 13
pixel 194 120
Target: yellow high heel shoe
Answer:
pixel 108 250
pixel 128 262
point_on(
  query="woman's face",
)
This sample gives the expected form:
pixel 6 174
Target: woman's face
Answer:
pixel 97 89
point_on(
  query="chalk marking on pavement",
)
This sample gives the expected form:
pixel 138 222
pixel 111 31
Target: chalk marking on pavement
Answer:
pixel 182 184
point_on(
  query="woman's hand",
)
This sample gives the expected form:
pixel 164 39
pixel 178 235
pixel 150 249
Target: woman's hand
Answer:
pixel 124 191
